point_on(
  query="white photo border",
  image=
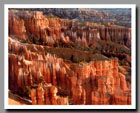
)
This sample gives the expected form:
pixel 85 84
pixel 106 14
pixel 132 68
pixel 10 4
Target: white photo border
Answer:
pixel 133 56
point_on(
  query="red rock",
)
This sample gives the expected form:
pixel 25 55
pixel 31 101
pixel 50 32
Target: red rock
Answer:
pixel 33 96
pixel 97 82
pixel 40 96
pixel 47 95
pixel 95 99
pixel 123 84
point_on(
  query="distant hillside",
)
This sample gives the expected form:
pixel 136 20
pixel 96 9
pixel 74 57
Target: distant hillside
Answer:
pixel 125 11
pixel 117 16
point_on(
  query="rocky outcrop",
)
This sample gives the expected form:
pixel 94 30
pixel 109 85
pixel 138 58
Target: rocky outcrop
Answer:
pixel 83 82
pixel 47 95
pixel 36 28
pixel 100 82
pixel 33 63
pixel 119 35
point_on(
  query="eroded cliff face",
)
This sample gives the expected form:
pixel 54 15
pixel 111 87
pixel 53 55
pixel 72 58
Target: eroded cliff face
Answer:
pixel 35 27
pixel 56 80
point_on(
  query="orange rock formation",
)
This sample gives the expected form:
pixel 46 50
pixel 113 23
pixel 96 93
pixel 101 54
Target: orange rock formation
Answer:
pixel 97 82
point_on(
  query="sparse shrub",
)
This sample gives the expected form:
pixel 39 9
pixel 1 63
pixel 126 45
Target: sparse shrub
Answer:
pixel 75 59
pixel 66 60
pixel 96 51
pixel 83 61
pixel 57 55
pixel 21 51
pixel 27 91
pixel 36 40
pixel 27 41
pixel 41 80
pixel 122 63
pixel 35 85
pixel 70 47
pixel 51 16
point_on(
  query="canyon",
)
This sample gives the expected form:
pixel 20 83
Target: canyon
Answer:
pixel 117 16
pixel 56 61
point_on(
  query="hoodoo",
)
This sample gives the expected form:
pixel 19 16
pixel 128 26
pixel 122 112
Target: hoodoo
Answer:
pixel 54 61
